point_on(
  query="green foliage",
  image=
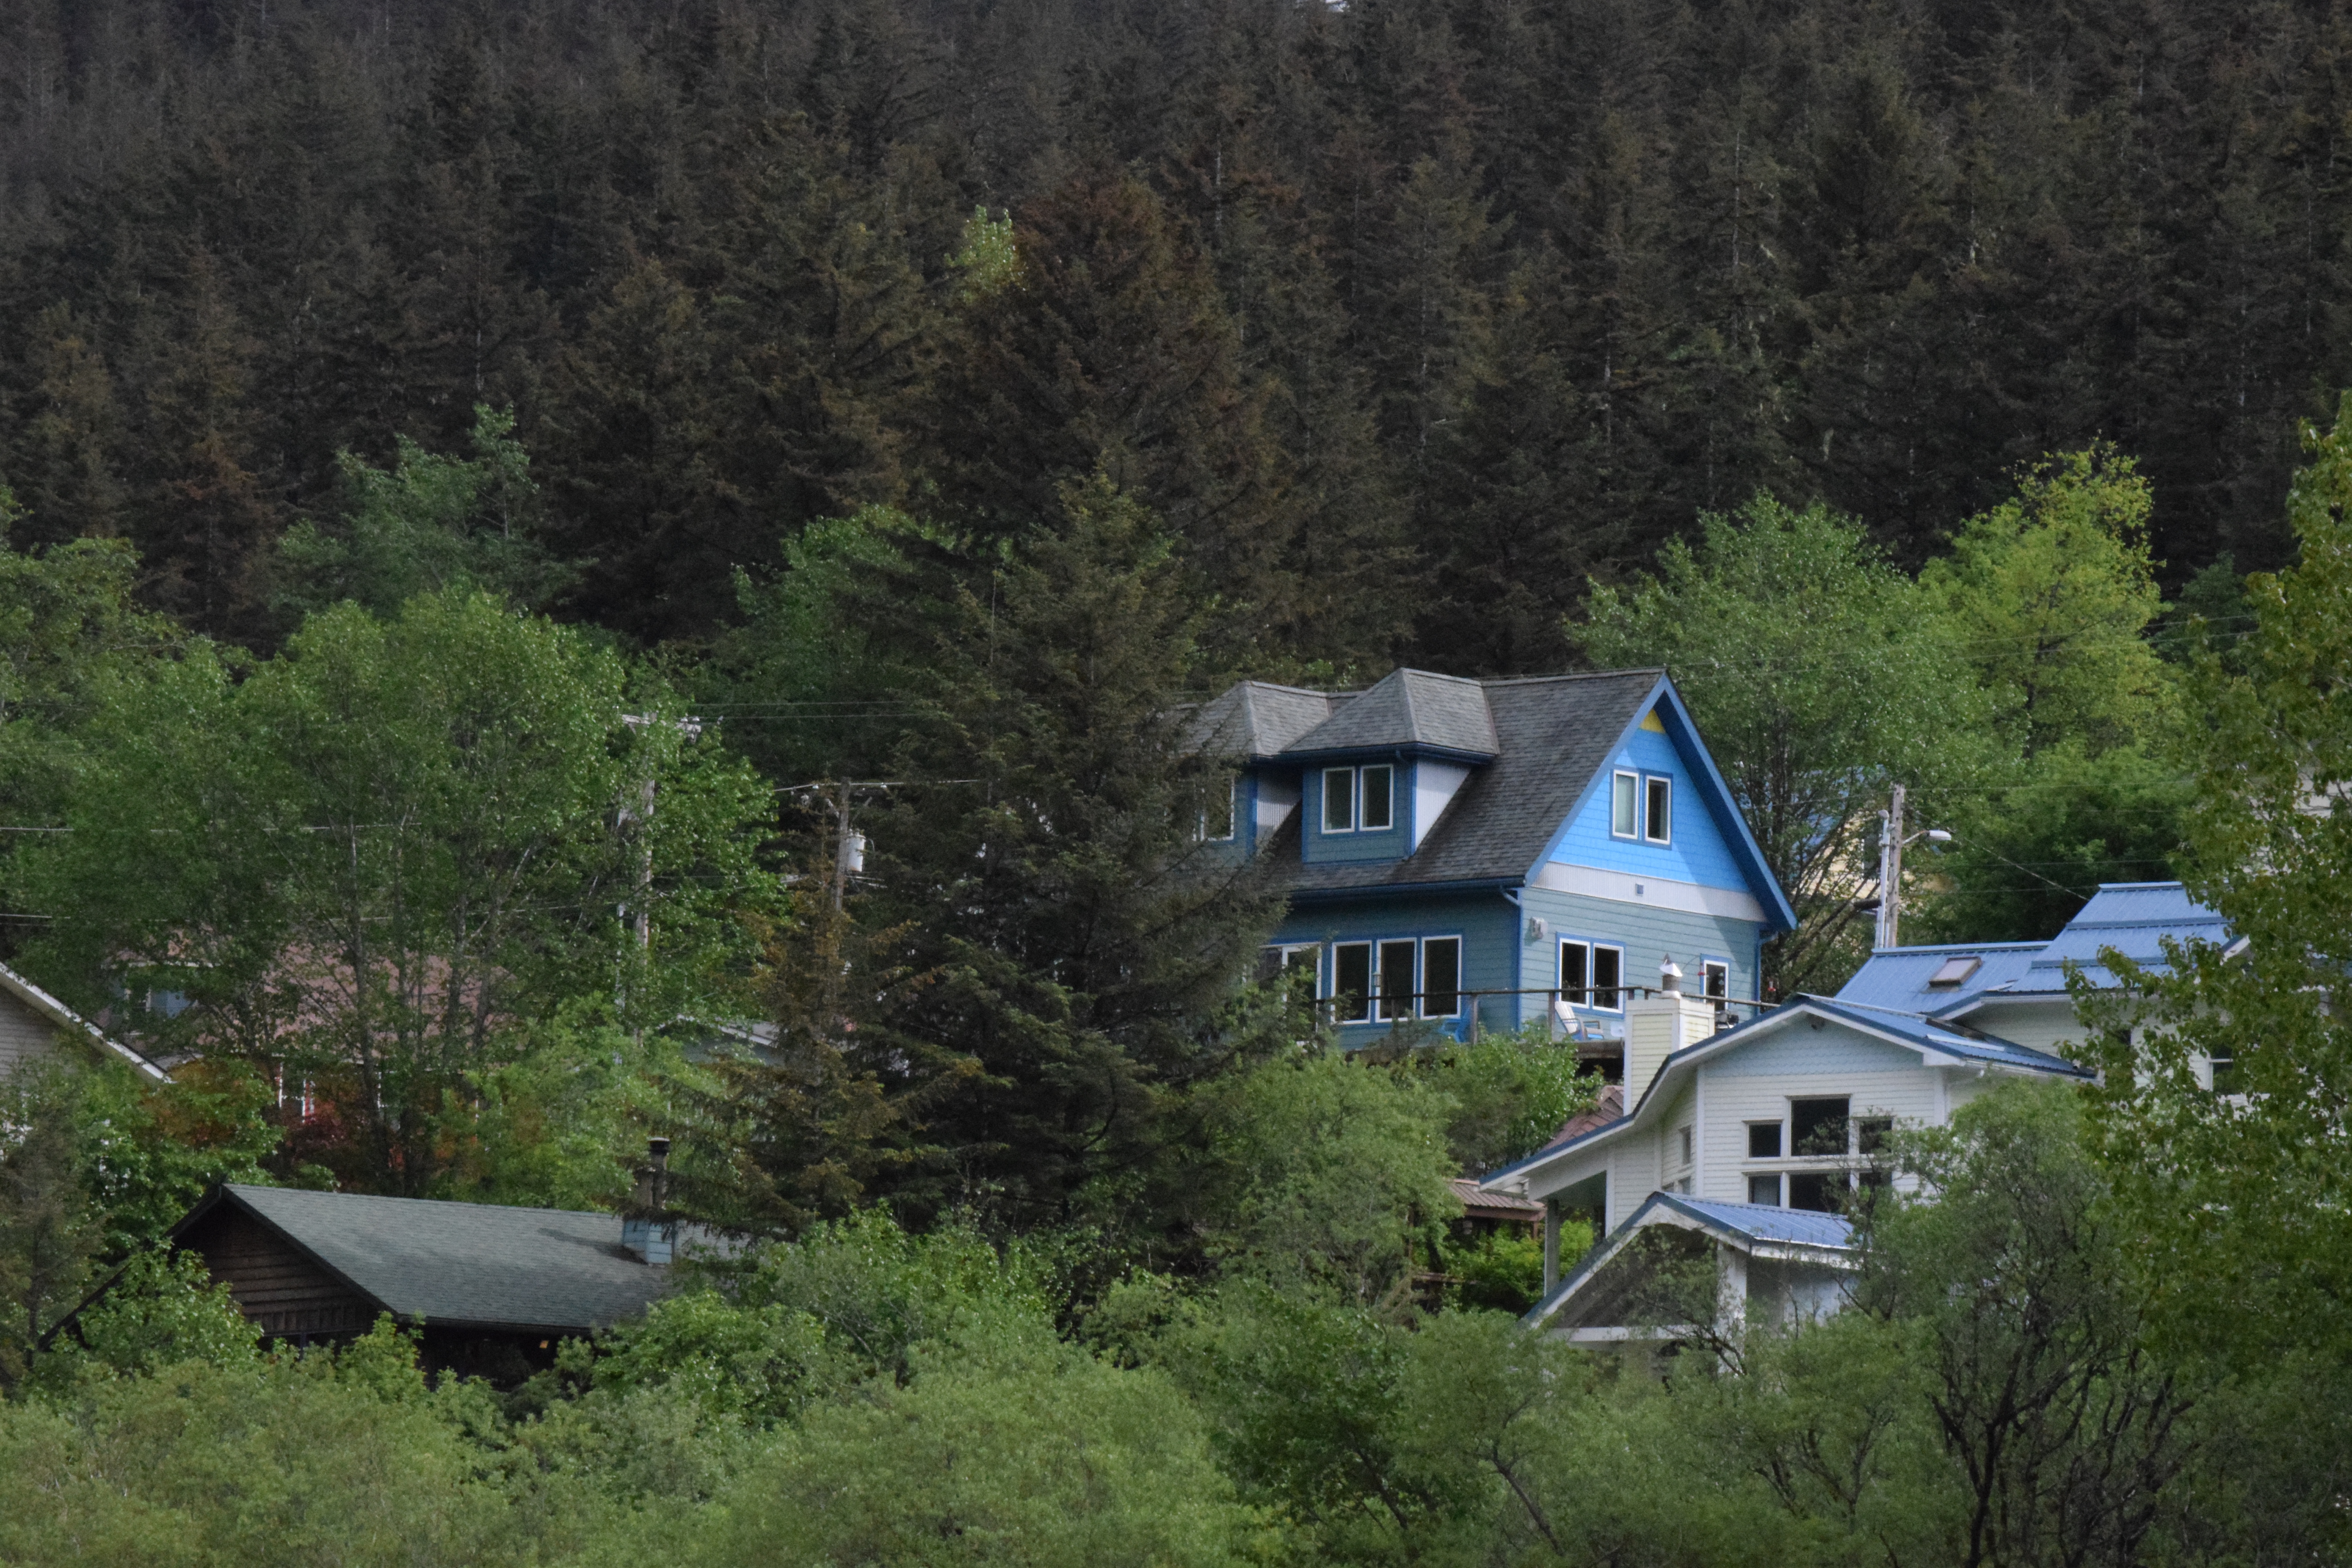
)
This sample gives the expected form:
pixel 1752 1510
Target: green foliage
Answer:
pixel 1818 679
pixel 428 525
pixel 756 1363
pixel 2226 1187
pixel 2049 595
pixel 1077 938
pixel 374 858
pixel 1338 1169
pixel 1512 1093
pixel 1053 1459
pixel 988 256
pixel 161 1309
pixel 1502 1270
pixel 2028 856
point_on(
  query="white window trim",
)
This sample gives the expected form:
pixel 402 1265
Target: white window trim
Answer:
pixel 1591 980
pixel 1649 782
pixel 1421 1000
pixel 1362 824
pixel 1371 979
pixel 1355 802
pixel 1633 834
pixel 1412 982
pixel 1592 973
pixel 1723 963
pixel 1232 815
pixel 1355 777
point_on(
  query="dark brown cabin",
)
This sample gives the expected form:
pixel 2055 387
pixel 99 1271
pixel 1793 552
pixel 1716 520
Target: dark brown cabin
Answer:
pixel 493 1289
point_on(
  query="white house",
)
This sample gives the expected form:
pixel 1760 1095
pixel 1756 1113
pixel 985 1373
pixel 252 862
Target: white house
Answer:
pixel 34 1023
pixel 1744 1143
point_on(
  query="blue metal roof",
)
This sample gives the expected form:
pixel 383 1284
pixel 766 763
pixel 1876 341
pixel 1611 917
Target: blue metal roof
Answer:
pixel 1767 1223
pixel 1897 976
pixel 2134 917
pixel 1970 1044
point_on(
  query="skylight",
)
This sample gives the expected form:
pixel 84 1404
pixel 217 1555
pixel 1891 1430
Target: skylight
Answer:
pixel 1952 971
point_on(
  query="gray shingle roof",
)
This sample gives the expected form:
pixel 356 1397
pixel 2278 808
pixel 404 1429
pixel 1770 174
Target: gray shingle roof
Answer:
pixel 478 1265
pixel 1408 708
pixel 1552 735
pixel 1257 718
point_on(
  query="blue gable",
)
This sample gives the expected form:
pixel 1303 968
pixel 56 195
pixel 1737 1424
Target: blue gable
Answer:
pixel 1708 844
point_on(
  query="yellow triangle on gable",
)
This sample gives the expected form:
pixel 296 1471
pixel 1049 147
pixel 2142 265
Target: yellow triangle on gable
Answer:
pixel 1651 720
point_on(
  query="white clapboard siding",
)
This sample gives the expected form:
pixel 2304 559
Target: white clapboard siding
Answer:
pixel 24 1035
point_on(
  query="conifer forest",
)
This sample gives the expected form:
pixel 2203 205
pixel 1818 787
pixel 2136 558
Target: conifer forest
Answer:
pixel 581 570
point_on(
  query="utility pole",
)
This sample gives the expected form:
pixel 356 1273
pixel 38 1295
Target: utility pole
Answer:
pixel 848 847
pixel 1890 874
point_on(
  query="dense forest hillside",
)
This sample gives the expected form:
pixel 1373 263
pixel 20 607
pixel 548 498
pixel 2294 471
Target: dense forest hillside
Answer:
pixel 1408 317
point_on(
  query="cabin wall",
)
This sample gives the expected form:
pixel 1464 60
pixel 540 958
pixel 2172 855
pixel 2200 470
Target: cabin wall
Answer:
pixel 275 1285
pixel 24 1035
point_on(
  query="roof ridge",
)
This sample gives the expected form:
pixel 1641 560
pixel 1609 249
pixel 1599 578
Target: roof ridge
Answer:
pixel 395 1199
pixel 2035 943
pixel 1493 680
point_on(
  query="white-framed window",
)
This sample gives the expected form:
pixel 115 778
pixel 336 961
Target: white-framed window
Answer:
pixel 1300 962
pixel 1658 809
pixel 1352 982
pixel 1394 980
pixel 1715 977
pixel 1441 977
pixel 1359 800
pixel 1338 800
pixel 1624 805
pixel 1684 1148
pixel 1763 1139
pixel 1223 814
pixel 1592 974
pixel 1764 1187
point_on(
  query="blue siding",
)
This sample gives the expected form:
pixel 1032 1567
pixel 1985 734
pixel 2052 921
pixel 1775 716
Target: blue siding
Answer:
pixel 1648 934
pixel 1485 923
pixel 1390 843
pixel 1699 853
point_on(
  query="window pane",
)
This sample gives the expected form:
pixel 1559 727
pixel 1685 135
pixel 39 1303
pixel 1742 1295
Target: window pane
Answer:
pixel 1271 961
pixel 1338 800
pixel 1396 979
pixel 1817 1126
pixel 1217 821
pixel 1573 974
pixel 1379 803
pixel 1763 1139
pixel 1662 809
pixel 1764 1189
pixel 1441 977
pixel 1621 807
pixel 1718 981
pixel 1352 982
pixel 1817 1190
pixel 1608 974
pixel 1874 1132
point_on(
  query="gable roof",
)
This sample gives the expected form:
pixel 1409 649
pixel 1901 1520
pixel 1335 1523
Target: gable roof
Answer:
pixel 1756 1229
pixel 1929 1037
pixel 1407 708
pixel 69 1022
pixel 2135 919
pixel 471 1264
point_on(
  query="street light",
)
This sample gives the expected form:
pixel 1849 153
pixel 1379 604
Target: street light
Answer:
pixel 1891 842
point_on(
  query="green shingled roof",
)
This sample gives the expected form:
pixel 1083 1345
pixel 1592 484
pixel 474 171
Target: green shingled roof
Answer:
pixel 462 1265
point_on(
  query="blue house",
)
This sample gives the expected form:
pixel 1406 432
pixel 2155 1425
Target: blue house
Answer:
pixel 1487 853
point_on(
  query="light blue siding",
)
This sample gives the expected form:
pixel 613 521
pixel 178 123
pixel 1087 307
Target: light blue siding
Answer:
pixel 1647 933
pixel 1484 921
pixel 1699 852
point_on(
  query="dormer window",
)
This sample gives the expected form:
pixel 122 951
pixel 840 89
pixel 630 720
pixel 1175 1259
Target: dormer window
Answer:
pixel 1359 800
pixel 1625 805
